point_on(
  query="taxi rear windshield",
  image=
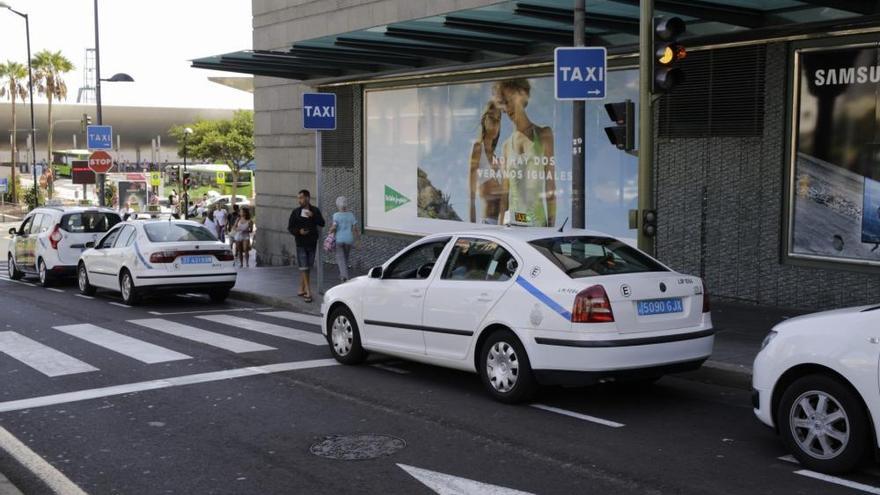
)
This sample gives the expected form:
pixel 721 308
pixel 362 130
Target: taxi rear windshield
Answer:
pixel 587 256
pixel 177 232
pixel 88 222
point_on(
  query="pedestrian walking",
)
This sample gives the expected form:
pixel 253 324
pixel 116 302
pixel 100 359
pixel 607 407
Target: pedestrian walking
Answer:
pixel 174 204
pixel 220 217
pixel 346 232
pixel 244 227
pixel 211 224
pixel 303 224
pixel 230 225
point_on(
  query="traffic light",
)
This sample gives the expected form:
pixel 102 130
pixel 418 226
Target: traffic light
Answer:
pixel 86 120
pixel 623 133
pixel 649 223
pixel 667 51
pixel 187 180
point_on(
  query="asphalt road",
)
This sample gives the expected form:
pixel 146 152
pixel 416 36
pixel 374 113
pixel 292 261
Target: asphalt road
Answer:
pixel 143 401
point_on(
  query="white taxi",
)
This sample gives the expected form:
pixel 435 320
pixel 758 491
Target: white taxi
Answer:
pixel 815 381
pixel 524 307
pixel 50 239
pixel 138 258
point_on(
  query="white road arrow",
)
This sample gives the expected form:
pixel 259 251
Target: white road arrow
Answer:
pixel 446 484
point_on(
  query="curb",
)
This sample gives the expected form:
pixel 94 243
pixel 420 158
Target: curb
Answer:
pixel 275 301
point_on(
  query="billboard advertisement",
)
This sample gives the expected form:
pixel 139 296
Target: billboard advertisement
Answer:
pixel 438 157
pixel 132 196
pixel 835 200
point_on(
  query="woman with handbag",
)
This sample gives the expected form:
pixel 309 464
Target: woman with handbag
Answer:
pixel 345 234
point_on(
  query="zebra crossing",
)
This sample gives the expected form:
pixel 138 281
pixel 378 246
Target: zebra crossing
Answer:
pixel 53 362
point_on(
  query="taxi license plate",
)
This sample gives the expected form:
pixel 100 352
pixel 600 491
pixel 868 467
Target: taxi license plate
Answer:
pixel 660 306
pixel 196 260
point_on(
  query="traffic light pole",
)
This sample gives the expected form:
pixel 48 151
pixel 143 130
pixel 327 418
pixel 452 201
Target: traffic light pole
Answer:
pixel 646 120
pixel 578 115
pixel 102 178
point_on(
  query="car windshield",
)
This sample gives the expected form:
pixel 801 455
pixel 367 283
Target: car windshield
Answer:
pixel 88 222
pixel 177 232
pixel 588 256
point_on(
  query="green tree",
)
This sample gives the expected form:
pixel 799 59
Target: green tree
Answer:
pixel 49 67
pixel 13 84
pixel 229 141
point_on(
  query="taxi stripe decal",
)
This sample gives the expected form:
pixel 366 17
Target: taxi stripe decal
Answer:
pixel 544 298
pixel 141 257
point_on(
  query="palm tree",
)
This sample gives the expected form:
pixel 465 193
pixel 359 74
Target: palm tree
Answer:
pixel 49 67
pixel 13 76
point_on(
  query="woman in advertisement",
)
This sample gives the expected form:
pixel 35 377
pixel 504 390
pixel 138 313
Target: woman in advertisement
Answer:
pixel 528 159
pixel 485 171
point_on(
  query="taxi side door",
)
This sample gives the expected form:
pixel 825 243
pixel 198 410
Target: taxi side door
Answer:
pixel 25 244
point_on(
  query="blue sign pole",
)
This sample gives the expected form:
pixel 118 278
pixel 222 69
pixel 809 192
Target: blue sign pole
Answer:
pixel 319 114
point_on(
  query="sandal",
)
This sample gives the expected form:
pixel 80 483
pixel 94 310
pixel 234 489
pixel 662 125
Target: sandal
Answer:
pixel 301 294
pixel 307 299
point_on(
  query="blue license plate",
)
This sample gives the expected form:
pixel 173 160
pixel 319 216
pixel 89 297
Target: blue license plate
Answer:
pixel 660 306
pixel 196 260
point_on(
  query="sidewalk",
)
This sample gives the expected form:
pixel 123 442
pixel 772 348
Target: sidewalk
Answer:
pixel 741 327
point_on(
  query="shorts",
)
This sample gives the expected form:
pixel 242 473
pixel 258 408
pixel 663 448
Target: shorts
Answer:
pixel 305 257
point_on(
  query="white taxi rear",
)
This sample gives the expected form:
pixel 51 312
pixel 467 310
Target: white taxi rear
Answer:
pixel 139 258
pixel 523 307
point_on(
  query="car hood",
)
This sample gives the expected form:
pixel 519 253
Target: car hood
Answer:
pixel 837 317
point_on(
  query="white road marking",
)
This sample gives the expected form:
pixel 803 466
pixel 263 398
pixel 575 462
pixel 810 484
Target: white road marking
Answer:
pixel 123 344
pixel 47 473
pixel 84 296
pixel 789 458
pixel 268 328
pixel 839 481
pixel 572 414
pixel 390 368
pixel 446 484
pixel 119 304
pixel 40 357
pixel 867 470
pixel 157 313
pixel 290 315
pixel 97 393
pixel 203 336
pixel 54 289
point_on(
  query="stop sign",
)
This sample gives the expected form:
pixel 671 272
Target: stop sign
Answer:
pixel 100 162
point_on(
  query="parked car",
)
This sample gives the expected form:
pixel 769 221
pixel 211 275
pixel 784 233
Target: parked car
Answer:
pixel 50 239
pixel 815 381
pixel 196 211
pixel 525 307
pixel 144 257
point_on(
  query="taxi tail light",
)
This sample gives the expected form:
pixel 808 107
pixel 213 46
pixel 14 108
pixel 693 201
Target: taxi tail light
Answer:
pixel 592 305
pixel 706 305
pixel 163 257
pixel 55 236
pixel 225 256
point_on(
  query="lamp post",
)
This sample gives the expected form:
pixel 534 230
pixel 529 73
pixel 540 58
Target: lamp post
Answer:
pixel 116 78
pixel 27 30
pixel 186 132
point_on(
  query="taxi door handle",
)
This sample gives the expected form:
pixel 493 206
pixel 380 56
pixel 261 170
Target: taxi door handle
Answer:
pixel 416 293
pixel 484 297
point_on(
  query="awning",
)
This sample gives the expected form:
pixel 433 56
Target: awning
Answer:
pixel 530 30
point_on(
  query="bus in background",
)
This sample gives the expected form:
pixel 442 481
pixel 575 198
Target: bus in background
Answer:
pixel 62 160
pixel 212 177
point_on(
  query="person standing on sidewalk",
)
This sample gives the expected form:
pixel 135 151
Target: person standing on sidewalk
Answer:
pixel 345 230
pixel 243 229
pixel 220 218
pixel 303 224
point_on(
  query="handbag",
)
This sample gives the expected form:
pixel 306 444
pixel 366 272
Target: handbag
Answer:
pixel 330 242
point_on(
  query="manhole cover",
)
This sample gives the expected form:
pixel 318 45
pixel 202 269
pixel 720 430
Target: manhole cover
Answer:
pixel 357 447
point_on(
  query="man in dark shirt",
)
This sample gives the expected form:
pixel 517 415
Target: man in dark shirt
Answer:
pixel 303 224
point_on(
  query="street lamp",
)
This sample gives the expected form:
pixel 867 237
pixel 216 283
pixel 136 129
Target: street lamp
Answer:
pixel 27 30
pixel 186 132
pixel 116 78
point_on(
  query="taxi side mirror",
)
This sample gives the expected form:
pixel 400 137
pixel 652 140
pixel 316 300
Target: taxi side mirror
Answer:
pixel 12 231
pixel 90 244
pixel 376 272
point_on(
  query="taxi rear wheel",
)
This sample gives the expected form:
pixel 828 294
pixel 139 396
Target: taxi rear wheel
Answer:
pixel 43 273
pixel 14 272
pixel 130 293
pixel 82 279
pixel 505 368
pixel 218 295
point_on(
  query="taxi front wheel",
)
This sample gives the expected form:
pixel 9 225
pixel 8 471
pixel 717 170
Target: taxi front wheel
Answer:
pixel 14 272
pixel 82 278
pixel 505 368
pixel 344 337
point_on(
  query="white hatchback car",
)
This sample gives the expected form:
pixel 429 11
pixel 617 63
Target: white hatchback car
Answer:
pixel 523 307
pixel 50 240
pixel 816 381
pixel 151 256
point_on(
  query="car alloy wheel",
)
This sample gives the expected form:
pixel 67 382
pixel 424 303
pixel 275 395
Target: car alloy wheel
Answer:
pixel 127 289
pixel 82 278
pixel 819 425
pixel 502 367
pixel 10 267
pixel 342 335
pixel 44 276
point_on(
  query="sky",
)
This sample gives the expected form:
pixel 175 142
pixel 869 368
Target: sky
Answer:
pixel 153 41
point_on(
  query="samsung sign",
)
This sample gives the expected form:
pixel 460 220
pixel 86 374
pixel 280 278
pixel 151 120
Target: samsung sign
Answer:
pixel 846 75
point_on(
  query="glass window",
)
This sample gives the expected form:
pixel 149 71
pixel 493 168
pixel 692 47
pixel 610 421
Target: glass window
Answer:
pixel 479 259
pixel 46 223
pixel 89 222
pixel 34 227
pixel 177 232
pixel 109 239
pixel 417 261
pixel 126 238
pixel 25 226
pixel 586 256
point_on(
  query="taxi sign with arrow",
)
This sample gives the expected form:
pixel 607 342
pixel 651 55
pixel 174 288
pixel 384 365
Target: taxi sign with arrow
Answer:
pixel 100 162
